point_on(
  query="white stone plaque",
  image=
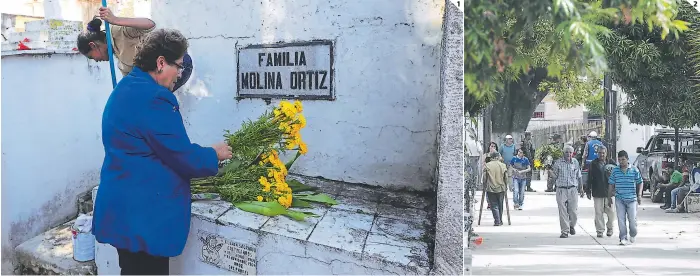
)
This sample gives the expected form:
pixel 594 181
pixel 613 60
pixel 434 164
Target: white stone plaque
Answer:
pixel 301 70
pixel 227 254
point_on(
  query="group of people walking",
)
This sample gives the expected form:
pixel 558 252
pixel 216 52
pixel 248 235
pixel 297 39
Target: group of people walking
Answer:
pixel 606 178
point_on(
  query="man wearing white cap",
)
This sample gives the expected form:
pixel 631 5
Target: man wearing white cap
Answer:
pixel 507 150
pixel 590 151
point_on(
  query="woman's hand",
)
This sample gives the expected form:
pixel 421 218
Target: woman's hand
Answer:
pixel 107 15
pixel 223 151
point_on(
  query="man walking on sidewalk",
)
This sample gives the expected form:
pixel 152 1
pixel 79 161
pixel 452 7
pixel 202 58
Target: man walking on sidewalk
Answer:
pixel 557 142
pixel 567 180
pixel 520 166
pixel 597 186
pixel 627 182
pixel 495 177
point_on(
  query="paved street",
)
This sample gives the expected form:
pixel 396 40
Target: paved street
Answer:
pixel 667 244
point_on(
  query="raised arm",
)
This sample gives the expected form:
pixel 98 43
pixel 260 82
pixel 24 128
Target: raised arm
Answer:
pixel 136 23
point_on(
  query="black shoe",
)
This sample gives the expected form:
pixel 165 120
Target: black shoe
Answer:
pixel 564 236
pixel 530 190
pixel 572 231
pixel 599 235
pixel 548 191
pixel 664 207
pixel 610 232
pixel 497 224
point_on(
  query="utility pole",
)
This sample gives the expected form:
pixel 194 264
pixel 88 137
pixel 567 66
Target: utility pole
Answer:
pixel 610 95
pixel 487 128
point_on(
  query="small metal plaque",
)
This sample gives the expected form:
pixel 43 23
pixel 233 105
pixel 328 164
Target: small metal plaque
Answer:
pixel 227 254
pixel 302 70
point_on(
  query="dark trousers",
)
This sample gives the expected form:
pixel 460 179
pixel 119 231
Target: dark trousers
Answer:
pixel 496 201
pixel 666 190
pixel 141 263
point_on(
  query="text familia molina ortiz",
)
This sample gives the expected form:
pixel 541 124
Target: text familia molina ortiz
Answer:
pixel 304 79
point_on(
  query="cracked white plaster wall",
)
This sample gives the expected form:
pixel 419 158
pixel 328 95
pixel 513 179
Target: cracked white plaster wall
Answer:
pixel 52 147
pixel 382 127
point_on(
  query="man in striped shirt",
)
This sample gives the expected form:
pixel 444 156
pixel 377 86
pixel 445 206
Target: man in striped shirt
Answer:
pixel 627 183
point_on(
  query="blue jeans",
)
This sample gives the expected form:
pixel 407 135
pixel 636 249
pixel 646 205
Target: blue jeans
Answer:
pixel 519 191
pixel 626 211
pixel 674 197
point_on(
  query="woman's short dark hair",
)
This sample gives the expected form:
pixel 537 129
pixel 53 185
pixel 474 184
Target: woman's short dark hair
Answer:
pixel 169 43
pixel 92 34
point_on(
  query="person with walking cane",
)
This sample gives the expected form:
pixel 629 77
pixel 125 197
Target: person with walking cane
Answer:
pixel 495 179
pixel 567 181
pixel 598 173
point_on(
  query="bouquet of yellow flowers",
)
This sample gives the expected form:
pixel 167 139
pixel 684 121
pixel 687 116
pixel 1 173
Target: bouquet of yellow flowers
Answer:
pixel 547 154
pixel 538 164
pixel 255 179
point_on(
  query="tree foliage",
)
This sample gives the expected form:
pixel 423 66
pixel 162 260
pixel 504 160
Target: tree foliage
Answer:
pixel 504 41
pixel 656 74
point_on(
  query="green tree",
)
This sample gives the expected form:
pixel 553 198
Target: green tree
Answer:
pixel 519 51
pixel 493 28
pixel 656 74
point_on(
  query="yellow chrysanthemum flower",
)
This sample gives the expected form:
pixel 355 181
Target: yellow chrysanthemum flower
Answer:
pixel 259 198
pixel 303 148
pixel 297 105
pixel 265 183
pixel 302 120
pixel 288 109
pixel 285 200
pixel 278 176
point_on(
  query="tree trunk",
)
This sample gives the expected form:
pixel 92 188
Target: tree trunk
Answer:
pixel 513 110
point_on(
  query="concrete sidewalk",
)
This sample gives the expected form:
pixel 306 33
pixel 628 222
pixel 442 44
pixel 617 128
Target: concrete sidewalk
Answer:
pixel 667 244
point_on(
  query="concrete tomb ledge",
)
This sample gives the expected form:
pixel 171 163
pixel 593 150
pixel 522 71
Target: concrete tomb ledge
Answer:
pixel 52 253
pixel 366 233
pixel 693 203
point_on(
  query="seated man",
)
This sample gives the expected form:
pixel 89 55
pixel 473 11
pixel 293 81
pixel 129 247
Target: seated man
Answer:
pixel 676 180
pixel 678 194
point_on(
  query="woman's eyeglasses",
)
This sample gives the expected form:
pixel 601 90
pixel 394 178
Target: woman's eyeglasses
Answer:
pixel 180 67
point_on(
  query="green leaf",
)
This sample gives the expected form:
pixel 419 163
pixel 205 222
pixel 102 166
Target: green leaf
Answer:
pixel 320 198
pixel 297 186
pixel 291 162
pixel 299 216
pixel 231 166
pixel 298 203
pixel 269 209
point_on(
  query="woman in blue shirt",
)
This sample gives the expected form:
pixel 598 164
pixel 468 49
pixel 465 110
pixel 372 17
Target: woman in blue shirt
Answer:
pixel 143 203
